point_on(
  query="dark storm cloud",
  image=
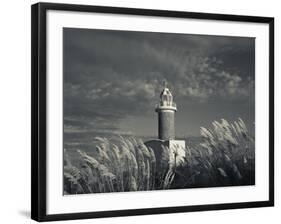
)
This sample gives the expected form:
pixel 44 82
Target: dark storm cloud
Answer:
pixel 109 75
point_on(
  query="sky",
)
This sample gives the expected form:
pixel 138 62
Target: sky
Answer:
pixel 113 79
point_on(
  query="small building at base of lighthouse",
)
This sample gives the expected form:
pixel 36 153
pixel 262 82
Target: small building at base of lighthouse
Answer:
pixel 175 149
pixel 166 110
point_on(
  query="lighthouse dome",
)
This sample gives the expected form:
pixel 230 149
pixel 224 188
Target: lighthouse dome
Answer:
pixel 166 101
pixel 166 96
pixel 165 92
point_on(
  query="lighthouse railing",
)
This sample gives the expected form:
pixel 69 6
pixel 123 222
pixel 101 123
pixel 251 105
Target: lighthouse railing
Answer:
pixel 166 104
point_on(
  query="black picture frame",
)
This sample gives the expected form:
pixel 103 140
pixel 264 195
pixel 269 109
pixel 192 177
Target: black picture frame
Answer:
pixel 38 108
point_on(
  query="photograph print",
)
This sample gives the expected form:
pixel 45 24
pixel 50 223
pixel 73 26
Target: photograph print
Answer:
pixel 149 111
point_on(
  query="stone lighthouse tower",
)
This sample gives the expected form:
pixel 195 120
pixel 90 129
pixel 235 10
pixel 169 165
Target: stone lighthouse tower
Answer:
pixel 166 109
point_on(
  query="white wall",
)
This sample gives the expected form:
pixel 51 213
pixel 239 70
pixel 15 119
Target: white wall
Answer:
pixel 15 109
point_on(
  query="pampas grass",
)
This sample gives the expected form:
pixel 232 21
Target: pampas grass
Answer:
pixel 225 157
pixel 127 165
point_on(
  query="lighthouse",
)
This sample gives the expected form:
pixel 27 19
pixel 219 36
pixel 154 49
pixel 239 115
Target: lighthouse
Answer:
pixel 166 109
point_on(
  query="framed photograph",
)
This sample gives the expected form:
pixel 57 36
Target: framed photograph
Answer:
pixel 139 111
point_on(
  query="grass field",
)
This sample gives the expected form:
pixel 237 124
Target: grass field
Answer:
pixel 224 156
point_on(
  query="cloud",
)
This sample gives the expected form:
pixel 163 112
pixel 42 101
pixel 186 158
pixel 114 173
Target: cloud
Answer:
pixel 109 75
